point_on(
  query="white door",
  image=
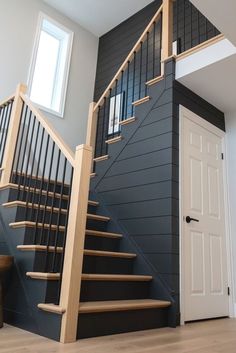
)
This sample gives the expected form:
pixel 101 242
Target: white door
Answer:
pixel 204 239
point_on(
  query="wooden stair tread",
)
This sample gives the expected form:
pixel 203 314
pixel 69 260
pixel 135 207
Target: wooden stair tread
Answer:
pixel 87 252
pixel 122 305
pixel 39 178
pixel 101 158
pixel 113 140
pixel 98 233
pixel 93 203
pixel 127 121
pixel 36 191
pixel 35 205
pixel 155 80
pixel 141 101
pixel 44 276
pixel 112 277
pixel 30 224
pixel 52 308
pixel 101 253
pixel 59 249
pixel 30 205
pixel 91 277
pixel 98 217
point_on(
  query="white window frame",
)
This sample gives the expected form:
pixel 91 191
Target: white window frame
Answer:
pixel 42 17
pixel 114 127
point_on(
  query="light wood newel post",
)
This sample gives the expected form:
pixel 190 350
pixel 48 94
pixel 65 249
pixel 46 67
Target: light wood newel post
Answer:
pixel 167 30
pixel 92 129
pixel 73 261
pixel 12 134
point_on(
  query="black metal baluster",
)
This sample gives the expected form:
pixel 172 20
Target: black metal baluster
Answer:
pixel 177 25
pixel 121 112
pixel 58 229
pixel 20 134
pixel 5 131
pixel 198 27
pixel 140 68
pixel 37 170
pixel 6 109
pixel 97 135
pixel 191 25
pixel 28 160
pixel 147 63
pixel 8 123
pixel 133 89
pixel 40 190
pixel 127 92
pixel 160 48
pixel 184 44
pixel 31 172
pixel 154 49
pixel 52 210
pixel 21 173
pixel 47 193
pixel 206 28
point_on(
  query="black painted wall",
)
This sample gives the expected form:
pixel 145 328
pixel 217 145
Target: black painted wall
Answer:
pixel 190 28
pixel 139 185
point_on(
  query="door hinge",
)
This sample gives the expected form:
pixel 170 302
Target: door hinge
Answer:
pixel 228 291
pixel 222 156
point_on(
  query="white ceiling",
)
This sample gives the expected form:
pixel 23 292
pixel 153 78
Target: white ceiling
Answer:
pixel 98 16
pixel 221 13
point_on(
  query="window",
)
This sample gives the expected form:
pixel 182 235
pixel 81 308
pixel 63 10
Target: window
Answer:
pixel 50 65
pixel 115 113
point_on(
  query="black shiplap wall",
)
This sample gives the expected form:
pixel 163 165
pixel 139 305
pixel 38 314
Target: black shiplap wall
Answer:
pixel 115 45
pixel 141 186
pixel 190 28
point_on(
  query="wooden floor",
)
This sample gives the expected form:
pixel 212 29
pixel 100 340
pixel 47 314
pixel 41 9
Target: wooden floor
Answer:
pixel 204 337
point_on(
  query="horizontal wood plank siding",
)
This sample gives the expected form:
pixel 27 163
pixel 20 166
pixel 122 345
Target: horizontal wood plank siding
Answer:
pixel 141 186
pixel 190 27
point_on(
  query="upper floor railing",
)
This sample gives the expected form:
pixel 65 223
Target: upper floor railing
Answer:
pixel 176 27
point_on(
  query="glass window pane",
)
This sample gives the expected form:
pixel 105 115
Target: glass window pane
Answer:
pixel 45 70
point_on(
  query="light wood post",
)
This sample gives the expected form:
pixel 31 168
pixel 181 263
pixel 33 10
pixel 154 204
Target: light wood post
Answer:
pixel 73 261
pixel 12 135
pixel 167 30
pixel 92 130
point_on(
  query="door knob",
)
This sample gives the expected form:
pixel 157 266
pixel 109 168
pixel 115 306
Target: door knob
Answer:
pixel 189 219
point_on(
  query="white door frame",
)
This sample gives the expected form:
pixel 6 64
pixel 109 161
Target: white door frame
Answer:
pixel 205 124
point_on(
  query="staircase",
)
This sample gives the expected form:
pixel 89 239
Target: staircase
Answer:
pixel 77 274
pixel 112 295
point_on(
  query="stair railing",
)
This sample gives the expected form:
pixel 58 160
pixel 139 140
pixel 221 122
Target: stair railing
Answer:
pixel 52 183
pixel 5 114
pixel 143 66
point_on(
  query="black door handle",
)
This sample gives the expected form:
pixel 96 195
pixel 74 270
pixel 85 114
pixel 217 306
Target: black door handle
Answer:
pixel 189 219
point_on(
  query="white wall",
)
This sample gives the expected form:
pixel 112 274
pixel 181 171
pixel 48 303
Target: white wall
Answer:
pixel 18 23
pixel 230 120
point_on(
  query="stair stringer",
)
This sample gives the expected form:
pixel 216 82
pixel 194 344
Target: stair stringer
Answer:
pixel 21 309
pixel 163 264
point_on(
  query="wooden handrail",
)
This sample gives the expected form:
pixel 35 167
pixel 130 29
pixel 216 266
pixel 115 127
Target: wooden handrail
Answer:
pixel 130 55
pixel 6 100
pixel 65 149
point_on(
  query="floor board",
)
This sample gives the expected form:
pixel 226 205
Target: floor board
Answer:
pixel 216 336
